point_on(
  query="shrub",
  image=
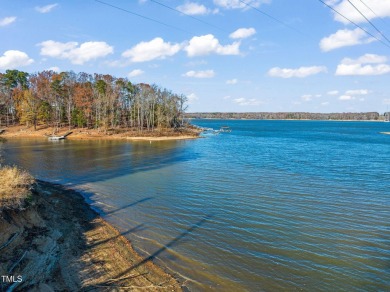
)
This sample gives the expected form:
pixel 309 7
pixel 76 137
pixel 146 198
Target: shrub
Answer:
pixel 15 187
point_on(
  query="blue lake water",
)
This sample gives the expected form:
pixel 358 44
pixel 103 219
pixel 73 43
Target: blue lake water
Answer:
pixel 273 205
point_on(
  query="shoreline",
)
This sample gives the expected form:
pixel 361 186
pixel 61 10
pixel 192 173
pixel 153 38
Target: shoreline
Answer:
pixel 232 119
pixel 63 244
pixel 21 132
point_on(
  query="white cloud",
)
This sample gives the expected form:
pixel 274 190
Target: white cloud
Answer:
pixel 242 33
pixel 363 66
pixel 192 8
pixel 244 101
pixel 232 81
pixel 7 20
pixel 325 103
pixel 366 59
pixel 381 8
pixel 357 92
pixel 300 72
pixel 46 9
pixel 57 49
pixel 192 97
pixel 208 44
pixel 76 54
pixel 13 59
pixel 386 101
pixel 237 4
pixel 346 97
pixel 331 2
pixel 135 73
pixel 344 38
pixel 351 94
pixel 55 69
pixel 307 97
pixel 200 74
pixel 154 49
pixel 332 92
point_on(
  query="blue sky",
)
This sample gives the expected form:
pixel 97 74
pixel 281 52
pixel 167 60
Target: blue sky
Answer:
pixel 223 54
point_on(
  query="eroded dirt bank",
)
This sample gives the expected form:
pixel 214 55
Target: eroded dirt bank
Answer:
pixel 59 243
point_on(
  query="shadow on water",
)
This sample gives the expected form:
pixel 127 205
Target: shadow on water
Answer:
pixel 128 206
pixel 80 162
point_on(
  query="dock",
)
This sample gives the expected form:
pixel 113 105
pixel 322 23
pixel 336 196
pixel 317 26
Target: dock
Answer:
pixel 56 138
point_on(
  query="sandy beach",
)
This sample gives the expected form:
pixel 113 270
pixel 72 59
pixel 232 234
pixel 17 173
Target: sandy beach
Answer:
pixel 93 134
pixel 59 243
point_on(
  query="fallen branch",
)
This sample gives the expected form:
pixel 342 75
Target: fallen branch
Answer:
pixel 125 278
pixel 9 241
pixel 17 263
pixel 134 287
pixel 12 287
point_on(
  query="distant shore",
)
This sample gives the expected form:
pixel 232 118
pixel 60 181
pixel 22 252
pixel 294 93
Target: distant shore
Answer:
pixel 304 120
pixel 59 243
pixel 292 116
pixel 94 134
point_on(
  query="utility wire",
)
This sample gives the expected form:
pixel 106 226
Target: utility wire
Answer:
pixel 142 16
pixel 330 7
pixel 273 18
pixel 369 21
pixel 186 14
pixel 369 8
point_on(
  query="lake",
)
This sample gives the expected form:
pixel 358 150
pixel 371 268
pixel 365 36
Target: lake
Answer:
pixel 271 206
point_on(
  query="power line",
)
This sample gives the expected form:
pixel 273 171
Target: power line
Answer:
pixel 369 8
pixel 369 21
pixel 186 14
pixel 273 18
pixel 142 16
pixel 330 7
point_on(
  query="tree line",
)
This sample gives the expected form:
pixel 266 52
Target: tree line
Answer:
pixel 288 116
pixel 86 100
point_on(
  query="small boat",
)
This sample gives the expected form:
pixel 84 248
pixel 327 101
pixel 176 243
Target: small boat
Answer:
pixel 56 138
pixel 209 131
pixel 225 129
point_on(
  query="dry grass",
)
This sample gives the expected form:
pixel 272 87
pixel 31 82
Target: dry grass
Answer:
pixel 15 187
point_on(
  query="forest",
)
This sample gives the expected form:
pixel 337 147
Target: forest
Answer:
pixel 97 101
pixel 289 116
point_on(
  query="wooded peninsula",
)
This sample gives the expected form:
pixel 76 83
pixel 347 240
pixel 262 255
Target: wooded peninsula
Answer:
pixel 83 100
pixel 101 106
